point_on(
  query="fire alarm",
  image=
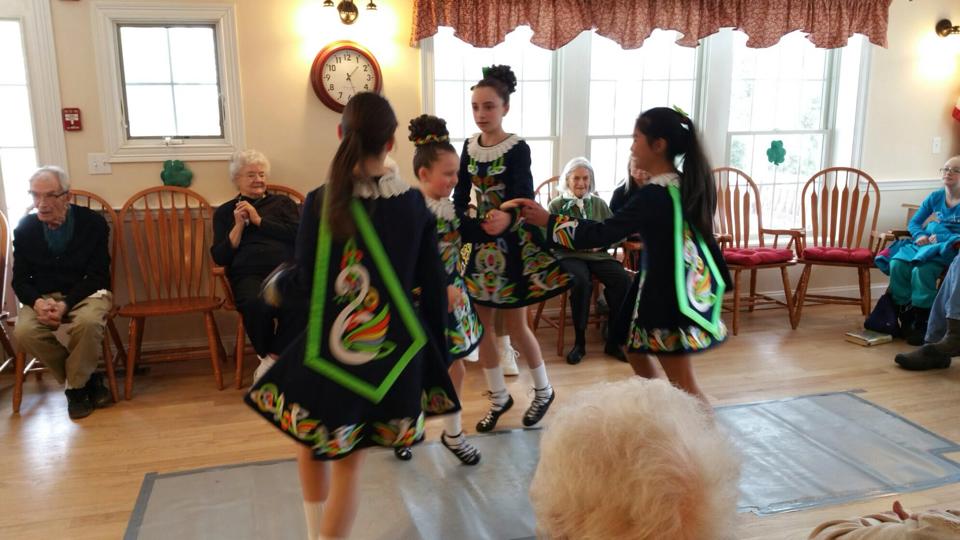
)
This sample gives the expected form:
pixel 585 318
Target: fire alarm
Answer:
pixel 71 120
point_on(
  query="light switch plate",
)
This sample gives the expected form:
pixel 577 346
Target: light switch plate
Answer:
pixel 98 164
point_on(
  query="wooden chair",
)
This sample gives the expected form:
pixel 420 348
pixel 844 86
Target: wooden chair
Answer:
pixel 739 225
pixel 220 276
pixel 840 205
pixel 96 203
pixel 8 350
pixel 167 271
pixel 546 192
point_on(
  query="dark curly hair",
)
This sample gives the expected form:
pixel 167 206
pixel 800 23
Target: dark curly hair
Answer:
pixel 430 138
pixel 501 79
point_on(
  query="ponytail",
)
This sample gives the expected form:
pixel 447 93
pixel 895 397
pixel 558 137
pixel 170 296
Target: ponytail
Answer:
pixel 340 186
pixel 698 195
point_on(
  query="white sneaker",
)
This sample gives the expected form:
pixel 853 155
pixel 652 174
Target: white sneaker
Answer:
pixel 265 364
pixel 508 356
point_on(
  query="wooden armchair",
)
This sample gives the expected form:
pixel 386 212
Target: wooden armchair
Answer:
pixel 220 276
pixel 738 225
pixel 840 207
pixel 166 261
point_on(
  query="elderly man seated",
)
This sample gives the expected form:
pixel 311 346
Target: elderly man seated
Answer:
pixel 61 275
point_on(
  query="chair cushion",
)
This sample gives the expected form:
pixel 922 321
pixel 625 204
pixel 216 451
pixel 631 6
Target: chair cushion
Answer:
pixel 840 255
pixel 756 256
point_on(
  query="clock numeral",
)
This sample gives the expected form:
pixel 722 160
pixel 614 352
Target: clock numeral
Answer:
pixel 365 66
pixel 340 96
pixel 339 59
pixel 366 87
pixel 369 77
pixel 331 87
pixel 331 67
pixel 327 76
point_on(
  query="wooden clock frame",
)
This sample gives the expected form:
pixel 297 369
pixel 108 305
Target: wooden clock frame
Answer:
pixel 316 70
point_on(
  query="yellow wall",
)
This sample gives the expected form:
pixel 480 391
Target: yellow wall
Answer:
pixel 278 40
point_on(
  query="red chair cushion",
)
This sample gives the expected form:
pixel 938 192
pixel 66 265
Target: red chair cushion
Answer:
pixel 756 256
pixel 836 254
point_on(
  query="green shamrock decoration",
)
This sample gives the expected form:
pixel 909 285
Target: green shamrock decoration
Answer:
pixel 681 111
pixel 175 173
pixel 776 153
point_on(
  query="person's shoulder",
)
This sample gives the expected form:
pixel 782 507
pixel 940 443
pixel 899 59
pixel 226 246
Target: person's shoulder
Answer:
pixel 86 215
pixel 27 222
pixel 225 208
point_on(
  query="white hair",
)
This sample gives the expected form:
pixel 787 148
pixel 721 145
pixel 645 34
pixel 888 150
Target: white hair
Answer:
pixel 568 169
pixel 242 158
pixel 56 172
pixel 635 459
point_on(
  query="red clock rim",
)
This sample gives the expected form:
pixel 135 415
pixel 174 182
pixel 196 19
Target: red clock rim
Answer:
pixel 320 59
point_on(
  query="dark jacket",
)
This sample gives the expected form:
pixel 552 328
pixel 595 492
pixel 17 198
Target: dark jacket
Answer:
pixel 262 248
pixel 82 269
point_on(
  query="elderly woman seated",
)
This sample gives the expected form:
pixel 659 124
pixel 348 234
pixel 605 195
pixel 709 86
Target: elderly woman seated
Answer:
pixel 252 235
pixel 635 459
pixel 915 264
pixel 578 199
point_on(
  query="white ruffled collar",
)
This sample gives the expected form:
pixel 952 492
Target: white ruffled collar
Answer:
pixel 387 186
pixel 485 154
pixel 442 208
pixel 665 179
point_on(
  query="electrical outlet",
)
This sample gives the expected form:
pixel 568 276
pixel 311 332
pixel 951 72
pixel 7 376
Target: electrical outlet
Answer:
pixel 98 164
pixel 935 148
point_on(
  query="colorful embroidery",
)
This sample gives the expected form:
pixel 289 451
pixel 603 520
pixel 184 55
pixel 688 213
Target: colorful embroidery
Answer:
pixel 488 282
pixel 497 166
pixel 398 432
pixel 358 334
pixel 690 339
pixel 564 230
pixel 490 192
pixel 436 401
pixel 449 245
pixel 698 275
pixel 294 420
pixel 541 284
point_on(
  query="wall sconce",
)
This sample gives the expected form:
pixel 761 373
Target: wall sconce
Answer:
pixel 945 28
pixel 348 9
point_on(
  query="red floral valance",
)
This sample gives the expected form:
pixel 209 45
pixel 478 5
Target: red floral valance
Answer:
pixel 485 23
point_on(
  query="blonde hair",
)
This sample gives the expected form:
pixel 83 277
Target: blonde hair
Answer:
pixel 242 158
pixel 635 459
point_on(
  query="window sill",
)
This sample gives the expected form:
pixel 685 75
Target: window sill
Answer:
pixel 160 152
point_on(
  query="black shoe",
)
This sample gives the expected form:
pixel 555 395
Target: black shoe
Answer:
pixel 403 453
pixel 99 394
pixel 488 422
pixel 576 354
pixel 538 407
pixel 922 359
pixel 465 452
pixel 914 335
pixel 79 404
pixel 615 351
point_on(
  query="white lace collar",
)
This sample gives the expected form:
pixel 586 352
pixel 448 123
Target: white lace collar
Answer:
pixel 389 185
pixel 665 179
pixel 442 208
pixel 486 154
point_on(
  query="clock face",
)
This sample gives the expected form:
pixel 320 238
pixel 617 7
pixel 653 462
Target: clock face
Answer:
pixel 342 70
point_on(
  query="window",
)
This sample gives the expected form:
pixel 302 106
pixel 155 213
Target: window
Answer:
pixel 172 81
pixel 624 83
pixel 18 152
pixel 458 66
pixel 779 93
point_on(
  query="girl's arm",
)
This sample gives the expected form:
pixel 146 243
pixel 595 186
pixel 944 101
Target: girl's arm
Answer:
pixel 571 233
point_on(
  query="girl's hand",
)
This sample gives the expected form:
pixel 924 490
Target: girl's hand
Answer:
pixel 454 300
pixel 534 214
pixel 922 241
pixel 496 222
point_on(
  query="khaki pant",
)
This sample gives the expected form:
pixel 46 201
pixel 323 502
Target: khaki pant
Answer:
pixel 85 325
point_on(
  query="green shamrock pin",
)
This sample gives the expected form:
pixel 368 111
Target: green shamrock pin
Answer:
pixel 681 111
pixel 175 173
pixel 776 153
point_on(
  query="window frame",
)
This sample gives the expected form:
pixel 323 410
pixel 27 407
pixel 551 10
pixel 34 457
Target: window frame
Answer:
pixel 108 17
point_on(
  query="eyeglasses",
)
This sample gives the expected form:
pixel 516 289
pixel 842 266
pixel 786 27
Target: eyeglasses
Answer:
pixel 53 195
pixel 950 170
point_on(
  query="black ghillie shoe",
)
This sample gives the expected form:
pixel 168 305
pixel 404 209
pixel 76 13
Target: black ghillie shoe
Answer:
pixel 403 453
pixel 539 406
pixel 488 422
pixel 465 452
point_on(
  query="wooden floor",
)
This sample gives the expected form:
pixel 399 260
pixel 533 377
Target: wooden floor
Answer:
pixel 63 479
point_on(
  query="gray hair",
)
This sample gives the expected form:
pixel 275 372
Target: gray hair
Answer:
pixel 568 169
pixel 56 172
pixel 242 158
pixel 636 458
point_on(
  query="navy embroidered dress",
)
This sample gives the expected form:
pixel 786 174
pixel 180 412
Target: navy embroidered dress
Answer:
pixel 514 270
pixel 674 303
pixel 369 364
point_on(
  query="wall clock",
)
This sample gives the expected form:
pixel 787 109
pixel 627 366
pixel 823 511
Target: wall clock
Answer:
pixel 342 69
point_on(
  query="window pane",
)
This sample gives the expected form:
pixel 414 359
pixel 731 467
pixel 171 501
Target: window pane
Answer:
pixel 150 110
pixel 603 157
pixel 193 55
pixel 16 126
pixel 537 109
pixel 17 164
pixel 541 161
pixel 198 110
pixel 537 64
pixel 12 69
pixel 145 54
pixel 628 106
pixel 601 107
pixel 655 94
pixel 450 104
pixel 447 55
pixel 811 105
pixel 681 95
